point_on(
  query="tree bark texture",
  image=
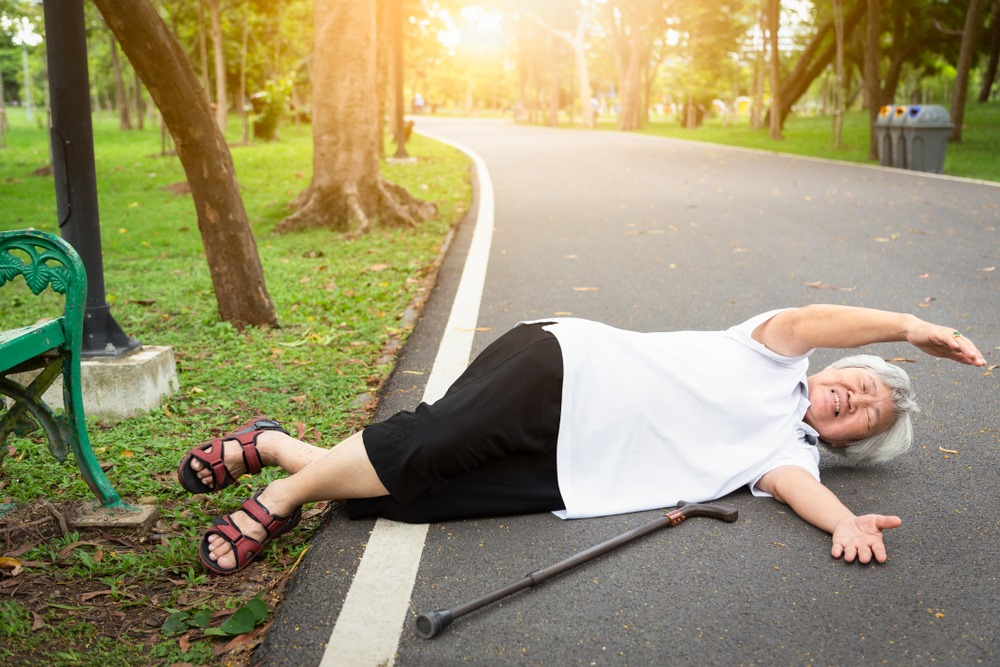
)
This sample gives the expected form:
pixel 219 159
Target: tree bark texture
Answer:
pixel 233 262
pixel 346 188
pixel 970 38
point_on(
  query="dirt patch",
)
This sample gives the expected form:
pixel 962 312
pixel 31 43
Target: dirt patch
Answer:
pixel 128 603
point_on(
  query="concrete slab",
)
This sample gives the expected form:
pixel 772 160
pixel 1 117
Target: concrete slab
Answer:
pixel 132 518
pixel 117 388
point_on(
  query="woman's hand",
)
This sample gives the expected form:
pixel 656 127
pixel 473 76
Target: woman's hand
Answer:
pixel 945 342
pixel 861 537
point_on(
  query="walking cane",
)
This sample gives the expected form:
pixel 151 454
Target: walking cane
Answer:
pixel 430 625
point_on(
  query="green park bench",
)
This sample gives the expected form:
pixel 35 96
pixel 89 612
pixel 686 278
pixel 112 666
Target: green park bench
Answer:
pixel 46 261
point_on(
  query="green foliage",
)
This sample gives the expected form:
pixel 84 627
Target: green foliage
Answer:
pixel 270 106
pixel 338 302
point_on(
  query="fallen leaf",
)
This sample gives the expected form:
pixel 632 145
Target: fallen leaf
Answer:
pixel 926 303
pixel 299 399
pixel 37 622
pixel 821 285
pixel 989 268
pixel 66 551
pixel 924 275
pixel 377 267
pixel 901 360
pixel 948 451
pixel 93 594
pixel 9 563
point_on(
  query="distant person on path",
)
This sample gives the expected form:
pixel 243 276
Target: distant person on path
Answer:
pixel 584 420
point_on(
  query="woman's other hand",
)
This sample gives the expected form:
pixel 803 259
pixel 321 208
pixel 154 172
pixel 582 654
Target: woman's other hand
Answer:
pixel 946 342
pixel 861 537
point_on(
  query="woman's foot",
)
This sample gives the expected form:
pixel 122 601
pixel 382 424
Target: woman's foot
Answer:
pixel 236 540
pixel 218 463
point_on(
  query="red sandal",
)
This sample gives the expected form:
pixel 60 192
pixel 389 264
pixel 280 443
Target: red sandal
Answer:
pixel 211 455
pixel 244 547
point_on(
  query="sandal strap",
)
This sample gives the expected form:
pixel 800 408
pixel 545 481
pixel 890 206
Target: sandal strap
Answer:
pixel 256 511
pixel 213 459
pixel 244 547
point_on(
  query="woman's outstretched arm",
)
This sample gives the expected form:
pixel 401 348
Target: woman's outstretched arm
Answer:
pixel 794 332
pixel 853 536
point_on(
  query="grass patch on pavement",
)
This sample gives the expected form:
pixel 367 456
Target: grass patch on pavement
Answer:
pixel 87 598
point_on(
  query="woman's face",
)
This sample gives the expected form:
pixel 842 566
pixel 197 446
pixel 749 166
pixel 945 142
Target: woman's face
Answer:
pixel 848 404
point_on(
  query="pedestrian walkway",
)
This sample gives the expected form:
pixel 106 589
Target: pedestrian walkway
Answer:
pixel 652 234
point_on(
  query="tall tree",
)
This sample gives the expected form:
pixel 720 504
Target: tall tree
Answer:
pixel 233 261
pixel 970 39
pixel 577 42
pixel 626 21
pixel 219 59
pixel 773 24
pixel 346 186
pixel 990 74
pixel 121 96
pixel 873 75
pixel 815 58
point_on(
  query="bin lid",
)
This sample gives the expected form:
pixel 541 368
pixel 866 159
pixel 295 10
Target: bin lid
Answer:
pixel 928 115
pixel 899 114
pixel 884 115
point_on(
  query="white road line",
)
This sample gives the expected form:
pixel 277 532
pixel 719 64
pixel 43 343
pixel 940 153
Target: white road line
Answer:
pixel 376 608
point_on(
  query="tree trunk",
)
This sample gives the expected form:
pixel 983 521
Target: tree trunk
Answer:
pixel 346 185
pixel 990 75
pixel 873 77
pixel 970 38
pixel 242 99
pixel 838 87
pixel 225 230
pixel 552 96
pixel 396 19
pixel 576 42
pixel 219 58
pixel 807 69
pixel 140 103
pixel 773 22
pixel 203 51
pixel 629 50
pixel 121 97
pixel 759 73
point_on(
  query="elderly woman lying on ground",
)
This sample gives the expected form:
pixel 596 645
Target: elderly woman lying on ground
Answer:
pixel 584 420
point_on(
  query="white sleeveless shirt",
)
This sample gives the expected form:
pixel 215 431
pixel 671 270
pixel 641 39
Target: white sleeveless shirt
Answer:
pixel 649 419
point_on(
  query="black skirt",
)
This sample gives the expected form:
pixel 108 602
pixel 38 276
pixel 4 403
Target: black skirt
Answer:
pixel 487 448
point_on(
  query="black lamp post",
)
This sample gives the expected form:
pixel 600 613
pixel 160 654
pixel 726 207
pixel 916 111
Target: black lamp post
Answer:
pixel 72 142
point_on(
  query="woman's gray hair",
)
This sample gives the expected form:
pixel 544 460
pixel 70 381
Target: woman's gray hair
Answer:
pixel 898 438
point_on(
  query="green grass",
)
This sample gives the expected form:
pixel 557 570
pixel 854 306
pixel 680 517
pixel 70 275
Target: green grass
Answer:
pixel 338 302
pixel 974 157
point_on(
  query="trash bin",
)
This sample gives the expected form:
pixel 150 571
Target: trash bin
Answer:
pixel 898 143
pixel 926 132
pixel 882 138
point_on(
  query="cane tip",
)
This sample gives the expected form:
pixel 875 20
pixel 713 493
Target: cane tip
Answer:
pixel 430 625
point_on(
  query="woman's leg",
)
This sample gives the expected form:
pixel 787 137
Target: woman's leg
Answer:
pixel 275 449
pixel 339 473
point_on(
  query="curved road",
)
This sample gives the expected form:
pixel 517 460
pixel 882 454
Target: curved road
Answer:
pixel 653 234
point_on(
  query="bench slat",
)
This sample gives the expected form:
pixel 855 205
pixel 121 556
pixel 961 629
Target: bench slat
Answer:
pixel 20 345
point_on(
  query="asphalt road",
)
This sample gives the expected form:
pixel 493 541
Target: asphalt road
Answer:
pixel 653 234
